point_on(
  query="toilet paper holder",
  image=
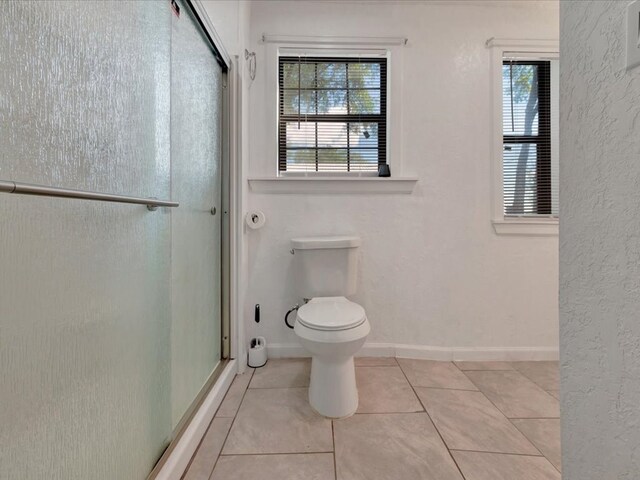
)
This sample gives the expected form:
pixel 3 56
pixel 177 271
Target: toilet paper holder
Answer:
pixel 255 219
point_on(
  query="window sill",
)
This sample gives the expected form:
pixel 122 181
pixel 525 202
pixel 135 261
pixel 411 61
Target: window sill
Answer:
pixel 330 185
pixel 527 227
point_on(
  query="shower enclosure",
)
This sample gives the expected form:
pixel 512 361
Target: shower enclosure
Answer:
pixel 111 315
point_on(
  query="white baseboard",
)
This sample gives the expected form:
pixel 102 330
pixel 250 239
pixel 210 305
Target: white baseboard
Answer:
pixel 179 458
pixel 286 350
pixel 377 350
pixel 478 354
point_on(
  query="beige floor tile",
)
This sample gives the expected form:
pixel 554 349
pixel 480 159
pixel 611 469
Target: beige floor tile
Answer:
pixel 491 466
pixel 375 362
pixel 278 420
pixel 310 466
pixel 428 373
pixel 554 393
pixel 209 449
pixel 234 395
pixel 385 390
pixel 282 373
pixel 484 365
pixel 391 446
pixel 468 421
pixel 545 374
pixel 515 395
pixel 544 434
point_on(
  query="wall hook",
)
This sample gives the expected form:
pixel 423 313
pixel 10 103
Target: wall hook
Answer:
pixel 251 57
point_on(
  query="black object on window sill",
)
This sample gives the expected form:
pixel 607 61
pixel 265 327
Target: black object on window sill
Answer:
pixel 384 170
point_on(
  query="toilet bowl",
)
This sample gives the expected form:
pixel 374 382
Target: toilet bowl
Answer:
pixel 332 330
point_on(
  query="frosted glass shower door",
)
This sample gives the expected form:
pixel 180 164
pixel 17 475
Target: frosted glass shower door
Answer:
pixel 110 315
pixel 196 160
pixel 85 352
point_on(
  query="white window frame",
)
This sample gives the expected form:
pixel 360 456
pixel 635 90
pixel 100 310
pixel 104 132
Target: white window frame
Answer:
pixel 501 48
pixel 336 182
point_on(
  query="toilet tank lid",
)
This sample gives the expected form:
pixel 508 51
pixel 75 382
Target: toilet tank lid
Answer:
pixel 308 243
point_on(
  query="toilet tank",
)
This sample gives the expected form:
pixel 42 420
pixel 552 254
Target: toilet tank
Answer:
pixel 325 266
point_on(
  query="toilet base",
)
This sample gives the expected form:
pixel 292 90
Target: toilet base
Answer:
pixel 332 389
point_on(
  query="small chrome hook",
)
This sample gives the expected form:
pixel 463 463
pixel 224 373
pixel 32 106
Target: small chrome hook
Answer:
pixel 251 57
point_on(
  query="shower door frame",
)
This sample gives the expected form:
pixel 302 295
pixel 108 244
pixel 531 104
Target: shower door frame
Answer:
pixel 229 235
pixel 228 214
pixel 227 250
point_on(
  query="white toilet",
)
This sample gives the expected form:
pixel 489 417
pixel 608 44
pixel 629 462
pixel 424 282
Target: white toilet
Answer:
pixel 331 327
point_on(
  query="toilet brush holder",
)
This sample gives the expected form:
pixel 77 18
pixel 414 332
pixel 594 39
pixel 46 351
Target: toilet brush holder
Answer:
pixel 257 352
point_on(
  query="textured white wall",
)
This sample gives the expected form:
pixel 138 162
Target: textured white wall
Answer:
pixel 600 245
pixel 433 272
pixel 226 16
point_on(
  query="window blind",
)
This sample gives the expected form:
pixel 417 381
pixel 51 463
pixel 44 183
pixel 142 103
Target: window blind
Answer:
pixel 529 181
pixel 332 114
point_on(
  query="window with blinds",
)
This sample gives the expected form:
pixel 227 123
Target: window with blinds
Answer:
pixel 529 169
pixel 332 114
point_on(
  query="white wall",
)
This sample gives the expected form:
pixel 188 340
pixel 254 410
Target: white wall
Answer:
pixel 229 18
pixel 600 245
pixel 433 271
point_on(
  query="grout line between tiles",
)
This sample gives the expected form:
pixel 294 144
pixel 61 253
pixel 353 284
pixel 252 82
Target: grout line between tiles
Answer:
pixel 502 413
pixel 499 453
pixel 395 364
pixel 511 454
pixel 486 369
pixel 533 418
pixel 531 380
pixel 232 422
pixel 253 454
pixel 276 388
pixel 375 366
pixel 444 388
pixel 522 374
pixel 433 423
pixel 523 433
pixel 335 463
pixel 390 413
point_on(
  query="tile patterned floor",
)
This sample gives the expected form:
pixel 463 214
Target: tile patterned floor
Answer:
pixel 417 419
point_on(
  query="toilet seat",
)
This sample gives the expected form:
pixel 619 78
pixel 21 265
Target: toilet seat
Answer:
pixel 331 314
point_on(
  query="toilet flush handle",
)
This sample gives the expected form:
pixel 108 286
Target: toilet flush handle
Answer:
pixel 286 315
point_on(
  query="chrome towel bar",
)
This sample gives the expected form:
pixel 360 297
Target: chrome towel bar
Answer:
pixel 45 191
